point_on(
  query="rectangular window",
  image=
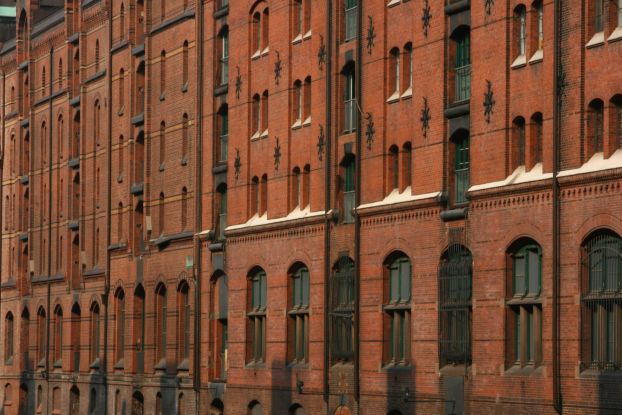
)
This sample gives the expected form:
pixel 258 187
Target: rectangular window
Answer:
pixel 351 19
pixel 527 334
pixel 224 135
pixel 540 11
pixel 461 170
pixel 349 192
pixel 224 59
pixel 598 15
pixel 463 68
pixel 350 105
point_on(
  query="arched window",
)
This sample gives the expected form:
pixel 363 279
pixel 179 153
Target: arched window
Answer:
pixel 520 31
pixel 257 305
pixel 297 101
pixel 184 67
pixel 461 48
pixel 296 189
pixel 76 317
pixel 455 281
pixel 397 298
pixel 162 144
pixel 224 55
pixel 461 166
pixel 296 409
pixel 61 137
pixel 56 400
pixel 407 65
pixel 185 139
pixel 342 301
pixel 350 107
pixel 598 15
pixel 160 326
pixel 220 342
pixel 256 117
pixel 595 127
pixel 306 110
pixel 94 335
pixel 298 324
pixel 349 189
pixel 394 73
pixel 162 16
pixel 121 89
pixel 40 399
pixel 406 165
pixel 43 82
pixel 184 208
pixel 122 22
pixel 74 400
pixel 256 33
pixel 58 336
pixel 536 134
pixel 181 404
pixel 538 27
pixel 264 195
pixel 306 186
pixel 9 338
pixel 518 142
pixel 601 262
pixel 97 123
pixel 161 213
pixel 393 169
pixel 139 328
pixel 162 73
pixel 41 337
pixel 524 314
pixel 223 133
pixel 44 145
pixel 222 210
pixel 255 408
pixel 264 113
pixel 183 324
pixel 254 196
pixel 297 19
pixel 119 298
pixel 24 339
pixel 121 158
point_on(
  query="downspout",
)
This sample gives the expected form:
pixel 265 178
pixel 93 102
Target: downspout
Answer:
pixel 50 204
pixel 327 197
pixel 557 401
pixel 108 213
pixel 198 194
pixel 357 202
pixel 2 157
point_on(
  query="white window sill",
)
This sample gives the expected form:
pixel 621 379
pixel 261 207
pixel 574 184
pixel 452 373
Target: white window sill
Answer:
pixel 297 124
pixel 537 56
pixel 307 35
pixel 394 98
pixel 264 134
pixel 297 39
pixel 255 136
pixel 393 3
pixel 519 62
pixel 265 51
pixel 408 93
pixel 616 34
pixel 256 55
pixel 307 122
pixel 596 40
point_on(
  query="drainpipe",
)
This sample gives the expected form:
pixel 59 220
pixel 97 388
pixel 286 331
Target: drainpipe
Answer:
pixel 327 196
pixel 557 401
pixel 2 157
pixel 198 194
pixel 357 219
pixel 49 253
pixel 108 213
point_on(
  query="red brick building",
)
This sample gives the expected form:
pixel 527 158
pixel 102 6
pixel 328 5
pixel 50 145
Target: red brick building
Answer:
pixel 311 207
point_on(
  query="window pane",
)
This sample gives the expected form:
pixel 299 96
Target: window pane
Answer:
pixel 394 283
pixel 305 286
pixel 405 280
pixel 517 334
pixel 264 292
pixel 296 290
pixel 529 341
pixel 519 274
pixel 595 337
pixel 534 271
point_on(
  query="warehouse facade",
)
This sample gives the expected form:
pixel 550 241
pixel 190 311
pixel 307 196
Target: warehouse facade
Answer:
pixel 308 207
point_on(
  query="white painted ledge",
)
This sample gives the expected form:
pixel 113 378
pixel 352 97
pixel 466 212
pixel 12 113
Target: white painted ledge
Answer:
pixel 396 197
pixel 295 214
pixel 596 163
pixel 518 176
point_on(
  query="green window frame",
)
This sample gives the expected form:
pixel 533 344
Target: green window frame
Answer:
pixel 527 271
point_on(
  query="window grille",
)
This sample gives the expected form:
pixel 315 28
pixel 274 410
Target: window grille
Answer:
pixel 455 276
pixel 461 169
pixel 342 311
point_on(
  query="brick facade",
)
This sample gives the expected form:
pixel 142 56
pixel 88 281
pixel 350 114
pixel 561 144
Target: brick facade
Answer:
pixel 170 168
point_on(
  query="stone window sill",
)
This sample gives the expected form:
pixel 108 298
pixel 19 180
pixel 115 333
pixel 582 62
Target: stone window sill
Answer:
pixel 408 93
pixel 393 98
pixel 297 39
pixel 597 40
pixel 307 35
pixel 537 57
pixel 519 62
pixel 615 35
pixel 297 125
pixel 393 3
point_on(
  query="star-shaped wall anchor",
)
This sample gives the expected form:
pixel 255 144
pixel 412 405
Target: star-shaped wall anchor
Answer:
pixel 320 143
pixel 371 35
pixel 321 53
pixel 426 17
pixel 237 164
pixel 277 154
pixel 425 117
pixel 278 67
pixel 488 4
pixel 370 130
pixel 489 101
pixel 238 83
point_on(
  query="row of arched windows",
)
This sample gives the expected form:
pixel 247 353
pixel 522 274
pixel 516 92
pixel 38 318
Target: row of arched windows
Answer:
pixel 603 126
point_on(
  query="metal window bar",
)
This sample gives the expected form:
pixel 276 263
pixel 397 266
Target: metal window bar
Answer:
pixel 463 83
pixel 350 115
pixel 342 311
pixel 462 184
pixel 455 306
